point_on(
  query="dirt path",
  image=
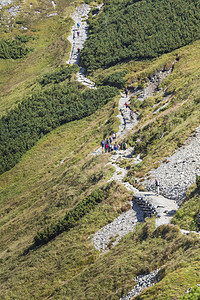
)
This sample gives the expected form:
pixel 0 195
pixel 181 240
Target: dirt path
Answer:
pixel 126 222
pixel 164 208
pixel 77 38
pixel 126 123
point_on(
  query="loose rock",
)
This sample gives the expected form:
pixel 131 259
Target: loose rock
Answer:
pixel 143 282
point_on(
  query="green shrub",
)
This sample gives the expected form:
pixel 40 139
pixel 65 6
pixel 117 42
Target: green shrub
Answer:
pixel 72 217
pixel 41 113
pixel 116 79
pixel 24 38
pixel 131 29
pixel 14 48
pixel 149 102
pixel 167 232
pixel 59 75
pixel 194 294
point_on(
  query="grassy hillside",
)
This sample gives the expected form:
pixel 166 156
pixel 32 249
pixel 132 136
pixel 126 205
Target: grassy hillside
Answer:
pixel 127 30
pixel 112 275
pixel 50 47
pixel 44 111
pixel 158 134
pixel 39 191
pixel 58 173
pixel 187 215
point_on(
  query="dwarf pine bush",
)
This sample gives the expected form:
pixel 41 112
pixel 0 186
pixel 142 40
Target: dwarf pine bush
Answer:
pixel 72 217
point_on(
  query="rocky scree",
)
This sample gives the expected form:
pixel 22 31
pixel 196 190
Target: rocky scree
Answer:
pixel 179 171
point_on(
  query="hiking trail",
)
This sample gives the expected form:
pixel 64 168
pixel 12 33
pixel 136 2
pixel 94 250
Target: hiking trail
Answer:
pixel 145 202
pixel 77 38
pixel 164 207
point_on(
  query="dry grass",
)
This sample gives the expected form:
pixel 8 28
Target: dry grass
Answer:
pixel 112 275
pixel 40 189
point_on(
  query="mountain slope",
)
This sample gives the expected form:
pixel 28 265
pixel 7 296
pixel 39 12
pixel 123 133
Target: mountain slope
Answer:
pixel 139 30
pixel 59 172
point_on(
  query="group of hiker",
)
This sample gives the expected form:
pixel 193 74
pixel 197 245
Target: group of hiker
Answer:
pixel 78 34
pixel 128 107
pixel 110 144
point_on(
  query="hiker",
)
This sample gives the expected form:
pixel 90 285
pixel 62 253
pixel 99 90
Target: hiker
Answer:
pixel 116 147
pixel 78 50
pixel 149 215
pixel 131 115
pixel 124 123
pixel 110 140
pixel 156 187
pixel 78 25
pixel 102 145
pixel 114 136
pixel 124 145
pixel 78 33
pixel 110 148
pixel 106 147
pixel 127 105
pixel 126 92
pixel 107 141
pixel 73 35
pixel 198 224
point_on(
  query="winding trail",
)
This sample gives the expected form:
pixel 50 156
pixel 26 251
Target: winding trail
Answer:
pixel 77 38
pixel 126 123
pixel 164 208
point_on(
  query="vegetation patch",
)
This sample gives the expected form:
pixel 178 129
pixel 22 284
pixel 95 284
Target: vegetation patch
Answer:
pixel 128 30
pixel 115 79
pixel 41 113
pixel 140 253
pixel 187 216
pixel 18 77
pixel 61 74
pixel 15 48
pixel 72 217
pixel 193 294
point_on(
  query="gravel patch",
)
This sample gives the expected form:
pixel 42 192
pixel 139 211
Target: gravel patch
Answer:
pixel 143 282
pixel 13 11
pixel 179 172
pixel 6 2
pixel 113 232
